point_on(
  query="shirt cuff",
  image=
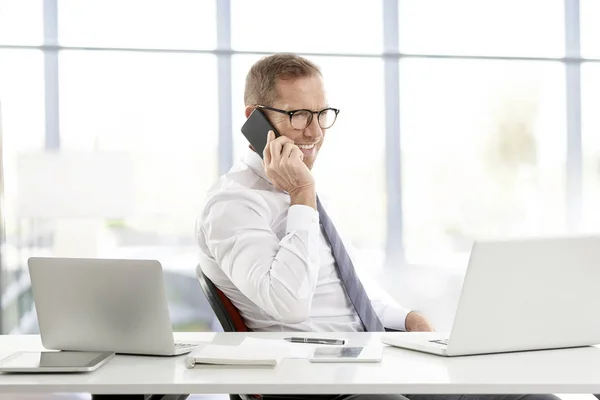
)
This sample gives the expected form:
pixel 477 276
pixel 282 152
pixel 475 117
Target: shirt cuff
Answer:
pixel 301 217
pixel 394 317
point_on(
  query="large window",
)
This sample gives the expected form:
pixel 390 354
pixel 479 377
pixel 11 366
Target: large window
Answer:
pixel 459 120
pixel 313 26
pixel 529 28
pixel 22 128
pixel 159 109
pixel 482 152
pixel 157 24
pixel 156 110
pixel 21 22
pixel 591 145
pixel 590 29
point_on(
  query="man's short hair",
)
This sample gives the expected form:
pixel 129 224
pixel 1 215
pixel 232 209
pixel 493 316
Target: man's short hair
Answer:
pixel 263 76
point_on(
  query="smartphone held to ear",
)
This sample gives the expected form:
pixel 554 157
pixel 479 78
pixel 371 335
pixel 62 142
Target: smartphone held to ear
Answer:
pixel 256 128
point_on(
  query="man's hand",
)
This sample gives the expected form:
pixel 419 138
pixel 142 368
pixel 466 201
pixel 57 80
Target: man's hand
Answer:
pixel 284 165
pixel 416 322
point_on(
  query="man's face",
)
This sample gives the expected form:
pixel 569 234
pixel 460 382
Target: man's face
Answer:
pixel 294 94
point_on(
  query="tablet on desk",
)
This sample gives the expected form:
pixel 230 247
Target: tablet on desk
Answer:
pixel 54 361
pixel 347 354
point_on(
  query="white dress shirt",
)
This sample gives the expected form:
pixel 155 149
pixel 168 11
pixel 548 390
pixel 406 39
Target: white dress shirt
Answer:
pixel 273 261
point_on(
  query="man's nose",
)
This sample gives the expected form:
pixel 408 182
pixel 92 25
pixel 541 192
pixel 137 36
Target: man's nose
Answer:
pixel 313 130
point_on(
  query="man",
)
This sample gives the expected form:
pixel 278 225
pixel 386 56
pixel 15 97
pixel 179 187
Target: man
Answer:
pixel 266 240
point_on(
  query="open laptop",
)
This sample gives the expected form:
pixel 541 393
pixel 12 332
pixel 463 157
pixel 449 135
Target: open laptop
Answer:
pixel 103 305
pixel 521 295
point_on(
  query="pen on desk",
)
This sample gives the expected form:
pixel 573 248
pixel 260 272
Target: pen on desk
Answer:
pixel 315 340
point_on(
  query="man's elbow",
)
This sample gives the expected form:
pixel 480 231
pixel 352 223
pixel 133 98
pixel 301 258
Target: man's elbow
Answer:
pixel 294 314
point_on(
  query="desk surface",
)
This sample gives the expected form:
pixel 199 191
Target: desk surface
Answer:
pixel 402 371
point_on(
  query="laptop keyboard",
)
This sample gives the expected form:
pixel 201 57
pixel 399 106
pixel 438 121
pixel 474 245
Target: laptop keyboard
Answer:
pixel 184 345
pixel 443 342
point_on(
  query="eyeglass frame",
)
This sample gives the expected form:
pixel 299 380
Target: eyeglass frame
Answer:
pixel 312 113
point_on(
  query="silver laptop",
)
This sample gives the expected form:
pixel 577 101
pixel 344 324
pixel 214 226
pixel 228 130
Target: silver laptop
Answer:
pixel 103 305
pixel 521 295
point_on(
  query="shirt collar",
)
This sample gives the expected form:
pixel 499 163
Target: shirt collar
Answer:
pixel 255 162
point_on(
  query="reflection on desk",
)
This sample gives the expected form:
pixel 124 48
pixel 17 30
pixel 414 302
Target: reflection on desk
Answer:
pixel 401 371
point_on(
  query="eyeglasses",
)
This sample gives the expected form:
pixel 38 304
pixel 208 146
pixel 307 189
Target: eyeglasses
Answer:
pixel 301 119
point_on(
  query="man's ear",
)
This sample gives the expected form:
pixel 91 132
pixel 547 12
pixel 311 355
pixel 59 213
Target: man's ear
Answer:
pixel 249 110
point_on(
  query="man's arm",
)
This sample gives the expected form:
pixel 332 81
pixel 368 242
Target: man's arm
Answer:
pixel 396 317
pixel 391 314
pixel 279 276
pixel 417 322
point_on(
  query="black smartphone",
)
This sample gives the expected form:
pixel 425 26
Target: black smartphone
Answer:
pixel 256 129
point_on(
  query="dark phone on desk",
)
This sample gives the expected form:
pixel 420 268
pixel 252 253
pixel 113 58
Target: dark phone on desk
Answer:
pixel 256 128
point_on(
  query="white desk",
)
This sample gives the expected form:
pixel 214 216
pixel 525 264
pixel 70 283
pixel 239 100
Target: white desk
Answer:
pixel 402 371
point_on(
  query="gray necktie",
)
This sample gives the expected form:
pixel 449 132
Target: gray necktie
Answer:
pixel 355 290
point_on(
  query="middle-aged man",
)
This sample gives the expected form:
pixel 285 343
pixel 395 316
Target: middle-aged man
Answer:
pixel 266 240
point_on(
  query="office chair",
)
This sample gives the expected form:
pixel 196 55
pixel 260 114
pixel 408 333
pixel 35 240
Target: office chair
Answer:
pixel 226 313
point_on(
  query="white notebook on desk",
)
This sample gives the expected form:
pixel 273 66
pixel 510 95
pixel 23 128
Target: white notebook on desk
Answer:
pixel 235 355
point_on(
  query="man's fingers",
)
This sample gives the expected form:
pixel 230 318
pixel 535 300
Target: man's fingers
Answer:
pixel 296 152
pixel 287 150
pixel 267 155
pixel 270 136
pixel 267 150
pixel 276 146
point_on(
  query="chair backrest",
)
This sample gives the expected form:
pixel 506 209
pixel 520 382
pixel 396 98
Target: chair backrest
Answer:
pixel 226 312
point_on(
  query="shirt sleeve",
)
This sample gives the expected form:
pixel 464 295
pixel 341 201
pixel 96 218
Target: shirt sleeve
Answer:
pixel 279 276
pixel 391 314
